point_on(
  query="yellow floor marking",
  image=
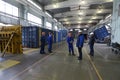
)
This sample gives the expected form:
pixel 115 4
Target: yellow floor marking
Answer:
pixel 96 70
pixel 7 64
pixel 30 50
pixel 22 72
pixel 91 78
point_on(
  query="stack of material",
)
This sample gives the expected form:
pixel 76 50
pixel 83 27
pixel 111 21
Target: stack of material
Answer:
pixel 31 36
pixel 11 40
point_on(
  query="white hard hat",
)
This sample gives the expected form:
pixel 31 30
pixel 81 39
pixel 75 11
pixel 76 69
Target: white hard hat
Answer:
pixel 79 31
pixel 91 33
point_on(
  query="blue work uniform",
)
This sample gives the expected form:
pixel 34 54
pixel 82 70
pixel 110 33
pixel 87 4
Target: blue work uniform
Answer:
pixel 79 44
pixel 43 41
pixel 91 45
pixel 50 41
pixel 70 41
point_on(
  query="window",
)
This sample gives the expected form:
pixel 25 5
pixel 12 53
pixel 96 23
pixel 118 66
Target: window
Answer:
pixel 48 25
pixel 34 19
pixel 8 8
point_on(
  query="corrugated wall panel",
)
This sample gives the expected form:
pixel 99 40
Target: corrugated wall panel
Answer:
pixel 116 22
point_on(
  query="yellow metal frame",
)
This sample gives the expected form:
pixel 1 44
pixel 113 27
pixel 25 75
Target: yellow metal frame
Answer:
pixel 11 39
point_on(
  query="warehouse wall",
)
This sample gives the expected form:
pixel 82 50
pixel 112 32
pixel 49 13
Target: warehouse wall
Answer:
pixel 116 22
pixel 23 10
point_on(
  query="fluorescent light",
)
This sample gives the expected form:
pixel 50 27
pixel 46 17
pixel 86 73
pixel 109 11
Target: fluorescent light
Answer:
pixel 111 0
pixel 78 26
pixel 86 26
pixel 65 19
pixel 80 13
pixel 55 5
pixel 84 7
pixel 94 17
pixel 83 2
pixel 89 21
pixel 67 22
pixel 34 4
pixel 48 14
pixel 79 22
pixel 99 11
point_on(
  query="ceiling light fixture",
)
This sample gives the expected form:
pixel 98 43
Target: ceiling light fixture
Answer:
pixel 94 17
pixel 99 11
pixel 84 7
pixel 78 26
pixel 80 13
pixel 82 2
pixel 55 5
pixel 79 22
pixel 65 19
pixel 111 0
pixel 67 22
pixel 89 21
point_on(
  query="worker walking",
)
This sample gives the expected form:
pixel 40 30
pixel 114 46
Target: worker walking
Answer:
pixel 70 41
pixel 91 43
pixel 79 44
pixel 43 41
pixel 50 41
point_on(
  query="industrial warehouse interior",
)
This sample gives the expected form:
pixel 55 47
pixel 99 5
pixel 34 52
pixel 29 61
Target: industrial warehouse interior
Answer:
pixel 59 39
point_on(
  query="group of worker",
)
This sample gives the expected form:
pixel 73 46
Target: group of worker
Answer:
pixel 43 42
pixel 80 43
pixel 70 41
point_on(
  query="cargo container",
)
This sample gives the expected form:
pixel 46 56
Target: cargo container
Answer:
pixel 101 33
pixel 31 36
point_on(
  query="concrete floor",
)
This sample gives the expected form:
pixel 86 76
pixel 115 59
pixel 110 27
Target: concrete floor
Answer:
pixel 59 66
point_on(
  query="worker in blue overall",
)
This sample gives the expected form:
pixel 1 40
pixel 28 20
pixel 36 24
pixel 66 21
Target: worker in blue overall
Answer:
pixel 50 41
pixel 91 43
pixel 70 41
pixel 79 44
pixel 43 41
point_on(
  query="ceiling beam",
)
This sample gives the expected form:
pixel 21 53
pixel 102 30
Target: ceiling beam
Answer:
pixel 83 12
pixel 80 22
pixel 70 3
pixel 81 18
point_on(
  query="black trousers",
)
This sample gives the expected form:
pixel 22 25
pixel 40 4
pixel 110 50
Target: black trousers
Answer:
pixel 92 49
pixel 80 52
pixel 42 49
